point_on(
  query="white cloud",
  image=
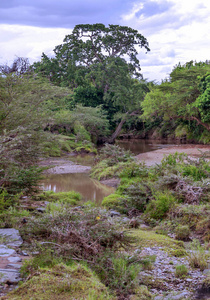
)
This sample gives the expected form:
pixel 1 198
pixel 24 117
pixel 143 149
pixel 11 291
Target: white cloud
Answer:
pixel 177 31
pixel 28 41
pixel 178 34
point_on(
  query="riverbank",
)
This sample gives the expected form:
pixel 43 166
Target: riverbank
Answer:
pixel 155 157
pixel 65 166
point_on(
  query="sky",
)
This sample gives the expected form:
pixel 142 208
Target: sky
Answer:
pixel 177 30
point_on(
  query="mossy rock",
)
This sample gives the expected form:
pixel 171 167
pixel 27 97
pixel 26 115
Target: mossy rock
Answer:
pixel 61 283
pixel 151 239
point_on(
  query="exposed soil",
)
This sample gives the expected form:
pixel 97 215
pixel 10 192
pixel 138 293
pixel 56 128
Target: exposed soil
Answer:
pixel 155 157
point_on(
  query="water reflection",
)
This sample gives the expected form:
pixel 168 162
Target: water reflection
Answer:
pixel 90 189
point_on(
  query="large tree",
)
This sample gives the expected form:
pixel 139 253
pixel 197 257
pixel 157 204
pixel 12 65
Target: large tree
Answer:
pixel 100 64
pixel 185 96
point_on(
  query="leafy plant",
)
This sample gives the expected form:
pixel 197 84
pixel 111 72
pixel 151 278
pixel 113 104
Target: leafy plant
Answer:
pixel 158 208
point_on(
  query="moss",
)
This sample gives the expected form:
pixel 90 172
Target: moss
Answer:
pixel 61 283
pixel 151 239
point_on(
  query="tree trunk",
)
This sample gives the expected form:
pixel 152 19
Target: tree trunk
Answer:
pixel 111 140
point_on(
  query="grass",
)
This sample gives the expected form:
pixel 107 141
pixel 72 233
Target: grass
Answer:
pixel 181 271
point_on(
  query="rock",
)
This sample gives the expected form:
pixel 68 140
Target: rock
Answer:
pixel 114 213
pixel 24 253
pixel 144 226
pixel 14 266
pixel 14 259
pixel 11 236
pixel 9 276
pixel 5 251
pixel 125 220
pixel 41 209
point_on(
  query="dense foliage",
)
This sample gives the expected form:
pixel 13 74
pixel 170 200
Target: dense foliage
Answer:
pixel 183 99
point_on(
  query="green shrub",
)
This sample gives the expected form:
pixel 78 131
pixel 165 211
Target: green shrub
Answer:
pixel 134 170
pixel 193 171
pixel 181 271
pixel 7 200
pixel 12 216
pixel 157 209
pixel 182 232
pixel 111 201
pixel 81 133
pixel 119 274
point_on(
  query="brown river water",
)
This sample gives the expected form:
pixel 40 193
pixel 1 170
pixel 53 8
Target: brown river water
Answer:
pixel 91 189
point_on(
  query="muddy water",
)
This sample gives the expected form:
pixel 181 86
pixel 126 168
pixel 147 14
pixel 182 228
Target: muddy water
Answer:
pixel 81 182
pixel 142 146
pixel 90 189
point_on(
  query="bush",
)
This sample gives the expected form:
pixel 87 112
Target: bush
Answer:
pixel 111 201
pixel 7 200
pixel 157 209
pixel 197 256
pixel 182 232
pixel 115 154
pixel 134 170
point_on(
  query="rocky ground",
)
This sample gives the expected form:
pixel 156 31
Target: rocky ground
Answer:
pixel 11 258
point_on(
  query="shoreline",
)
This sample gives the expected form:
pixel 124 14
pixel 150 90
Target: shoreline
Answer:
pixel 155 157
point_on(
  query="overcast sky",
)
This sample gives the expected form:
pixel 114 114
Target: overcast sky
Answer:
pixel 177 30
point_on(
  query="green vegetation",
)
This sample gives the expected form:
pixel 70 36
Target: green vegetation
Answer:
pixel 87 94
pixel 62 282
pixel 169 192
pixel 182 102
pixel 181 271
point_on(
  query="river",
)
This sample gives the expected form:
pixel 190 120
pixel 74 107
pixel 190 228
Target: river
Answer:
pixel 81 182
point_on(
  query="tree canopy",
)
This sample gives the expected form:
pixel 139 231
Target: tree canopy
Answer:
pixel 184 96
